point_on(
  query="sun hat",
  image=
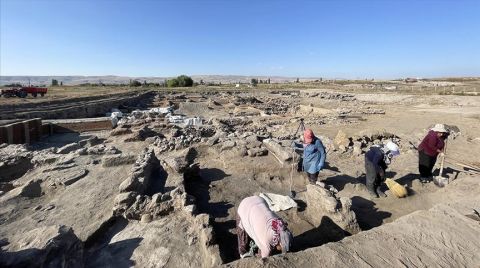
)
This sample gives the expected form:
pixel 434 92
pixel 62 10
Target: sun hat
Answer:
pixel 439 128
pixel 392 148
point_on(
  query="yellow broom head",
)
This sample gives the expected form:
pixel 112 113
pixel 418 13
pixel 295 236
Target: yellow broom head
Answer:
pixel 397 189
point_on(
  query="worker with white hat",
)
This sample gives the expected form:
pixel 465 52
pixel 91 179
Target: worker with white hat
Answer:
pixel 429 149
pixel 377 160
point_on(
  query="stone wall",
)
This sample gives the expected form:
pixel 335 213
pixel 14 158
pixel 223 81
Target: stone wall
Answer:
pixel 26 131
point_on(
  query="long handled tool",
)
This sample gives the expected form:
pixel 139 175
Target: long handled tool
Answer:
pixel 301 127
pixel 440 180
pixel 292 193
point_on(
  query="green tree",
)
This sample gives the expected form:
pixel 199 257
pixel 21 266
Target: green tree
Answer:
pixel 172 82
pixel 298 80
pixel 180 81
pixel 184 81
pixel 54 82
pixel 254 82
pixel 135 83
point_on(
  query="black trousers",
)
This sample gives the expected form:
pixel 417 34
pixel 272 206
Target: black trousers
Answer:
pixel 243 239
pixel 425 164
pixel 374 179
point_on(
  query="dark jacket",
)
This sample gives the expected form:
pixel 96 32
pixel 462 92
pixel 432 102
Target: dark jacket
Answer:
pixel 431 143
pixel 376 156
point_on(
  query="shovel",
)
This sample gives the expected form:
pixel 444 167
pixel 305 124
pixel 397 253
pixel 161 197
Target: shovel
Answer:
pixel 440 180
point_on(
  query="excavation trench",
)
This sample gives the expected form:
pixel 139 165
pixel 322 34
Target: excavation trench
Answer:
pixel 218 192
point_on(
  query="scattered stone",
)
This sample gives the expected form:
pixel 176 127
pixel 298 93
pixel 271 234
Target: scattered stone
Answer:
pixel 68 148
pixel 91 141
pixel 120 131
pixel 279 151
pixel 123 201
pixel 242 151
pixel 118 160
pixel 228 145
pixel 254 144
pixel 178 164
pixel 141 134
pixel 257 152
pixel 252 139
pixel 146 218
pixel 322 202
pixel 102 149
pixel 357 148
pixel 191 209
pixel 341 140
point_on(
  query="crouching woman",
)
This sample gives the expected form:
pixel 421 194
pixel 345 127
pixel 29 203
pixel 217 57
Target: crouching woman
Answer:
pixel 260 228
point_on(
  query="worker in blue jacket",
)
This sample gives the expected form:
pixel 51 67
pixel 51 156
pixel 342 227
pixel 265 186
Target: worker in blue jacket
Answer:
pixel 314 155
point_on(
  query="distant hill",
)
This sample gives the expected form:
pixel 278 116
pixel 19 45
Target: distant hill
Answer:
pixel 111 79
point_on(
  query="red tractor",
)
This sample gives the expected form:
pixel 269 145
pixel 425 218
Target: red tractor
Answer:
pixel 22 92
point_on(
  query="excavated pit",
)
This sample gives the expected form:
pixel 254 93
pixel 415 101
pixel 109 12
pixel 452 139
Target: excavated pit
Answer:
pixel 218 192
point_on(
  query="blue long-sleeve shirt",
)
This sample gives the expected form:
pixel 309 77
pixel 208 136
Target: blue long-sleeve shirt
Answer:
pixel 314 156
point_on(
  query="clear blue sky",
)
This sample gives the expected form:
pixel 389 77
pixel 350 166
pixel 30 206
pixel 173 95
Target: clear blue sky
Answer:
pixel 349 39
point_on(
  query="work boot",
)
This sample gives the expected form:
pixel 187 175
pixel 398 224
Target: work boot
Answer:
pixel 424 180
pixel 380 192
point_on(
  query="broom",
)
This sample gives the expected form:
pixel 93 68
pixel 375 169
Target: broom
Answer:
pixel 397 189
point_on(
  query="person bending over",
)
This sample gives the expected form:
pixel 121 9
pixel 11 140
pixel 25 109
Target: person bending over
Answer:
pixel 377 160
pixel 258 226
pixel 428 150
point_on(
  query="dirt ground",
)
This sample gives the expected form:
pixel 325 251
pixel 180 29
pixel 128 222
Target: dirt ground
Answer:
pixel 66 93
pixel 203 172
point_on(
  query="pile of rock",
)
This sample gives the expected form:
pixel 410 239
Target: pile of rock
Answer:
pixel 370 110
pixel 335 96
pixel 183 138
pixel 15 160
pixel 146 115
pixel 100 149
pixel 323 203
pixel 358 144
pixel 273 106
pixel 133 203
pixel 141 134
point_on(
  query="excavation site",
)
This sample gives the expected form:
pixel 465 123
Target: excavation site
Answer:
pixel 155 178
